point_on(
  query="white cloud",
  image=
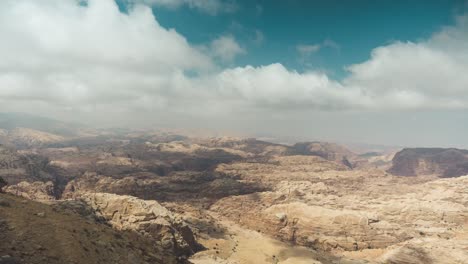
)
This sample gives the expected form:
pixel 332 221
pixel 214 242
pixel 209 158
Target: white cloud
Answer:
pixel 69 54
pixel 226 48
pixel 212 7
pixel 429 74
pixel 274 86
pixel 259 37
pixel 307 50
pixel 330 44
pixel 58 57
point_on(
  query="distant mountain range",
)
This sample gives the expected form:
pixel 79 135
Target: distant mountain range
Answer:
pixel 10 121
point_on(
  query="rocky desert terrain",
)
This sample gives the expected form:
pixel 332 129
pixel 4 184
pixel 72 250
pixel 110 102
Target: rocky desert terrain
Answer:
pixel 121 196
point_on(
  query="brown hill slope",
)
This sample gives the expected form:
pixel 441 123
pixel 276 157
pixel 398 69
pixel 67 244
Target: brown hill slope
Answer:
pixel 32 232
pixel 16 166
pixel 328 151
pixel 27 137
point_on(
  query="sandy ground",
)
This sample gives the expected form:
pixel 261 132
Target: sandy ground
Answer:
pixel 244 246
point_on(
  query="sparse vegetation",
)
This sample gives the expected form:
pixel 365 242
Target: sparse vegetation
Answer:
pixel 3 183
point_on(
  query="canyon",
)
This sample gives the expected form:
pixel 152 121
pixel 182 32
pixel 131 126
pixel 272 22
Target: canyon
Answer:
pixel 164 197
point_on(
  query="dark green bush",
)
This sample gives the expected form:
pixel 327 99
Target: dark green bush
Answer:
pixel 3 183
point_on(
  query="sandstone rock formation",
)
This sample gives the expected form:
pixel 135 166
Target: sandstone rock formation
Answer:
pixel 146 217
pixel 430 161
pixel 37 233
pixel 328 151
pixel 16 166
pixel 178 186
pixel 270 173
pixel 345 211
pixel 252 147
pixel 38 191
pixel 308 203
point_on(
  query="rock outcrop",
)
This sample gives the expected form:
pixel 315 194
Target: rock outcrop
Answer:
pixel 148 218
pixel 268 174
pixel 38 191
pixel 351 210
pixel 250 146
pixel 427 250
pixel 328 151
pixel 442 162
pixel 16 166
pixel 181 186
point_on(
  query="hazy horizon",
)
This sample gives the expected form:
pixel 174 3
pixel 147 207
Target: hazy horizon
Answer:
pixel 10 120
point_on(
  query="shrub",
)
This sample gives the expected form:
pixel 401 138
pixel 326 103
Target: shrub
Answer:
pixel 3 183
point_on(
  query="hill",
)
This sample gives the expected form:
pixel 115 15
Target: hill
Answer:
pixel 442 162
pixel 41 233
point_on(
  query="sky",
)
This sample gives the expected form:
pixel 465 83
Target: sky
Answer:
pixel 383 72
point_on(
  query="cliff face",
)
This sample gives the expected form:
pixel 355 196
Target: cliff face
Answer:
pixel 442 162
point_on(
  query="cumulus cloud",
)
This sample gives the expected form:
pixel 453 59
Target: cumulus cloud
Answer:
pixel 274 85
pixel 428 74
pixel 226 48
pixel 65 53
pixel 59 57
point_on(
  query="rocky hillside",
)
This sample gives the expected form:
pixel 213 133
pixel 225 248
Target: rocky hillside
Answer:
pixel 214 200
pixel 366 215
pixel 16 166
pixel 442 162
pixel 33 232
pixel 146 217
pixel 328 151
pixel 181 186
pixel 26 137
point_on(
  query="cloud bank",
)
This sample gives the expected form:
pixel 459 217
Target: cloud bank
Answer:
pixel 77 60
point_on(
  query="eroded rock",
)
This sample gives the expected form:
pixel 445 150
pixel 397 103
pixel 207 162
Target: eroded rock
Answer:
pixel 149 218
pixel 40 191
pixel 443 162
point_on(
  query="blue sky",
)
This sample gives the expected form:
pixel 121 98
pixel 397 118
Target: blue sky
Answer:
pixel 356 27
